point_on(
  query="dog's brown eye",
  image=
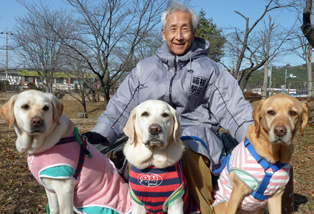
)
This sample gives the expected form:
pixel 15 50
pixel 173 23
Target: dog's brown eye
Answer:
pixel 271 112
pixel 46 108
pixel 25 107
pixel 145 114
pixel 165 115
pixel 293 113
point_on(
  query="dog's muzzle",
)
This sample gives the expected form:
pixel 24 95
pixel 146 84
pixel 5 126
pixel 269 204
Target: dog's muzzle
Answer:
pixel 280 131
pixel 37 124
pixel 154 129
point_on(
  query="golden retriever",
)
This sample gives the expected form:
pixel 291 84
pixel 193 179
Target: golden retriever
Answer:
pixel 269 141
pixel 153 146
pixel 54 154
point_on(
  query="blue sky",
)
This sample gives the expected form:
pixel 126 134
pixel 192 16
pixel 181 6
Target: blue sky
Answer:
pixel 220 10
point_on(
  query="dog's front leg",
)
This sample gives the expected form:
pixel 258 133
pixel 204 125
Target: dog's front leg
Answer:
pixel 137 208
pixel 53 202
pixel 239 191
pixel 274 202
pixel 64 189
pixel 176 206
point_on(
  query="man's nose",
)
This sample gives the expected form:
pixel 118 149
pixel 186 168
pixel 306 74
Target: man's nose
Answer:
pixel 179 34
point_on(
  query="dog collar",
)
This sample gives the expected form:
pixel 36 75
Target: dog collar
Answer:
pixel 259 193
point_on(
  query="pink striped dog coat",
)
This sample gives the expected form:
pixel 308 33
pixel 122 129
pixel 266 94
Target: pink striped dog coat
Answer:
pixel 244 165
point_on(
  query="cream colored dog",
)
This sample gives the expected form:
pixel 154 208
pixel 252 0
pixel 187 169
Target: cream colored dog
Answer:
pixel 37 119
pixel 276 121
pixel 153 130
pixel 39 124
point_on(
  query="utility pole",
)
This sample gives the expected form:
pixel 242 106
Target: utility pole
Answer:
pixel 6 53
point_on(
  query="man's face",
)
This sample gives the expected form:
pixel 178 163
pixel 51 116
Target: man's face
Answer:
pixel 178 35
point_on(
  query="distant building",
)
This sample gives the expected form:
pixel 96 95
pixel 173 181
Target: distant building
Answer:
pixel 13 76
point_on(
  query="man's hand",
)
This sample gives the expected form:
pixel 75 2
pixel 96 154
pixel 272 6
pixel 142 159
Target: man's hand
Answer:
pixel 95 138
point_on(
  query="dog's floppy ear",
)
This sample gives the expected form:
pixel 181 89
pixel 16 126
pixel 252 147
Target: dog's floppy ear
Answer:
pixel 129 129
pixel 57 108
pixel 177 129
pixel 305 118
pixel 257 117
pixel 7 110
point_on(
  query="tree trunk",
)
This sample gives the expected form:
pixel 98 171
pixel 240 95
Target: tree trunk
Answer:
pixel 83 99
pixel 307 28
pixel 106 95
pixel 264 91
pixel 309 71
pixel 245 78
pixel 93 96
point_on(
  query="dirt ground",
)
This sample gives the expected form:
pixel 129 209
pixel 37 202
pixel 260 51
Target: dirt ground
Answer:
pixel 20 192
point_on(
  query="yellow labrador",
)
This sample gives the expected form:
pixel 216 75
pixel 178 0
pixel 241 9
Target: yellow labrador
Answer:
pixel 72 180
pixel 265 154
pixel 154 150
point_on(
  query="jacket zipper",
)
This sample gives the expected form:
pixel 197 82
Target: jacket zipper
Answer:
pixel 170 87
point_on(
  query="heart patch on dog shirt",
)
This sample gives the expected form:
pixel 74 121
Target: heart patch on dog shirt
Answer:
pixel 150 180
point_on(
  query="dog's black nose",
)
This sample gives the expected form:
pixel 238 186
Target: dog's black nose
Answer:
pixel 37 121
pixel 154 129
pixel 280 131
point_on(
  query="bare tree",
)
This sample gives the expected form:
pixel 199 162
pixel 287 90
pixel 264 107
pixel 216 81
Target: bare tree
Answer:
pixel 302 48
pixel 307 27
pixel 245 47
pixel 39 46
pixel 112 31
pixel 267 38
pixel 85 80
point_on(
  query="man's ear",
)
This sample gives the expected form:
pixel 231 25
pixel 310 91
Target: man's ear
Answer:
pixel 163 34
pixel 7 110
pixel 257 117
pixel 194 34
pixel 57 108
pixel 129 129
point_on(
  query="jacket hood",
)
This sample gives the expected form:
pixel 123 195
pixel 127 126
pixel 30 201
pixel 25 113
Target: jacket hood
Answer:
pixel 199 48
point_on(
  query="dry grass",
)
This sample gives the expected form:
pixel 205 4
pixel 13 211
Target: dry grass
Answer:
pixel 20 192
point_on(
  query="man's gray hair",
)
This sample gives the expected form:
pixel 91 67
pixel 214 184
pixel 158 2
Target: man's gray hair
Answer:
pixel 176 6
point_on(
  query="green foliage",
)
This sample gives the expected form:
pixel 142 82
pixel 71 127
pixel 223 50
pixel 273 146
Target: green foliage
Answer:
pixel 4 85
pixel 278 76
pixel 31 85
pixel 206 29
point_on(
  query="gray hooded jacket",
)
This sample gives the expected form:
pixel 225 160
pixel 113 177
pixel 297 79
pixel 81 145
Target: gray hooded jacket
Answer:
pixel 204 94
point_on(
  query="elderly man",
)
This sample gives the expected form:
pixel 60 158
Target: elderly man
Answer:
pixel 205 96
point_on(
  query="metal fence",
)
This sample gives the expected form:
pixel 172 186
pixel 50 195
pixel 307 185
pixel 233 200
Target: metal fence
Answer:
pixel 296 89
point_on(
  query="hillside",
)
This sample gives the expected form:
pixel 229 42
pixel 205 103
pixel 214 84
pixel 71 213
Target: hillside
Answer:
pixel 278 75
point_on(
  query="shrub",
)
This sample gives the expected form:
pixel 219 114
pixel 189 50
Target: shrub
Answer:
pixel 31 85
pixel 4 85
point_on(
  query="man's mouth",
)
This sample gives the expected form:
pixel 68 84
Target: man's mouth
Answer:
pixel 179 44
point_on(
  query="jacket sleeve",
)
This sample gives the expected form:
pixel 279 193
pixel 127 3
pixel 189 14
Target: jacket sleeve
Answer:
pixel 228 105
pixel 112 121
